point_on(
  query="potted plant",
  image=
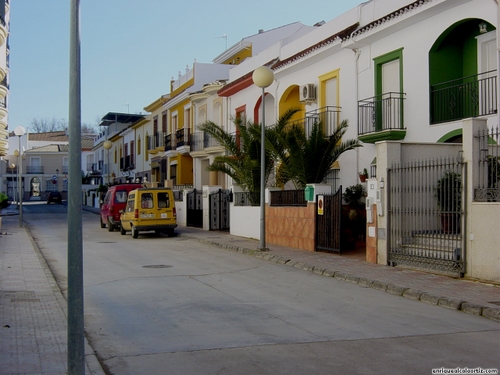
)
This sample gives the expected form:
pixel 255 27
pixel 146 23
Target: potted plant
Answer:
pixel 363 175
pixel 449 199
pixel 4 201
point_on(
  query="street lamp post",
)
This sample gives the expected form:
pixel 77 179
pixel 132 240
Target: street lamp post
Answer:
pixel 263 77
pixel 20 131
pixel 12 166
pixel 107 145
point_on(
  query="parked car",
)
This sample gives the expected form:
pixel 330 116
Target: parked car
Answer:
pixel 149 209
pixel 114 201
pixel 54 196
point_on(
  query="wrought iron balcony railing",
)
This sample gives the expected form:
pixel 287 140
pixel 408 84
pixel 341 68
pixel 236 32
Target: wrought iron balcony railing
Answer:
pixel 182 136
pixel 381 113
pixel 329 117
pixel 465 97
pixel 197 141
pixel 32 169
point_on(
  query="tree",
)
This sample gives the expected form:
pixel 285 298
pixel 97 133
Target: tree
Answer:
pixel 306 159
pixel 242 162
pixel 43 125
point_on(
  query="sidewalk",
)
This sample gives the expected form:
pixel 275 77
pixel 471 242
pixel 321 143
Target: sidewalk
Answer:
pixel 33 321
pixel 33 311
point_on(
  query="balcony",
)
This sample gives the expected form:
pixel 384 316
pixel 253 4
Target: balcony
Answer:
pixel 4 87
pixel 471 96
pixel 170 145
pixel 32 169
pixel 203 143
pixel 380 118
pixel 328 116
pixel 197 144
pixel 183 141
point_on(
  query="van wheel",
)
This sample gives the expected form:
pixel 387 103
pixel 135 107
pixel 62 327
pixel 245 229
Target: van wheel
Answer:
pixel 111 227
pixel 123 232
pixel 102 224
pixel 171 232
pixel 135 233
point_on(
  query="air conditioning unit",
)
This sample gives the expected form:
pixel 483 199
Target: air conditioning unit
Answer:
pixel 307 92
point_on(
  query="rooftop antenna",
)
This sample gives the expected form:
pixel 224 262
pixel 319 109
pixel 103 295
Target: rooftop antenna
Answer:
pixel 222 36
pixel 128 107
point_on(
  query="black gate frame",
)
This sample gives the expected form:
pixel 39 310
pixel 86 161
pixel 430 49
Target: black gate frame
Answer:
pixel 194 209
pixel 219 210
pixel 329 225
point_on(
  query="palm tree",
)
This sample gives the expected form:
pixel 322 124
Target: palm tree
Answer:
pixel 302 159
pixel 242 159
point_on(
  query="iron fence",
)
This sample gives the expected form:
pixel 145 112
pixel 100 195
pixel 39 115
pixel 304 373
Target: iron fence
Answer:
pixel 487 184
pixel 246 199
pixel 426 215
pixel 288 198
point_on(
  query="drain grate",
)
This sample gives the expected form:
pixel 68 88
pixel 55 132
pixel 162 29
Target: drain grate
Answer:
pixel 156 266
pixel 106 242
pixel 495 302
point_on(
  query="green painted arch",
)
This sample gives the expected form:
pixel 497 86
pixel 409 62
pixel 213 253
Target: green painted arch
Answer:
pixel 454 53
pixel 450 135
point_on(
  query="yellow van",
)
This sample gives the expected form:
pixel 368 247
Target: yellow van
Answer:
pixel 149 209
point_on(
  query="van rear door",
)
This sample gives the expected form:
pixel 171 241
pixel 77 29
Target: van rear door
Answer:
pixel 166 207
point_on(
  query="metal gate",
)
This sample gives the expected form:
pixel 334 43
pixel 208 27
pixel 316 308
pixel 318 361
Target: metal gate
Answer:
pixel 194 214
pixel 328 221
pixel 219 210
pixel 426 215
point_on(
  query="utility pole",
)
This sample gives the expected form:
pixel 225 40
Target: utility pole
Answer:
pixel 76 348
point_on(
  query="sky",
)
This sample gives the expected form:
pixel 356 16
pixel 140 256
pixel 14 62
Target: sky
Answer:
pixel 130 49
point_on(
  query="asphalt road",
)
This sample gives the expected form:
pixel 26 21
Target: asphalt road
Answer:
pixel 159 305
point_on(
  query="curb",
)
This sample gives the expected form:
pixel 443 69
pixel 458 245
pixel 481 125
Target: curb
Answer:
pixel 398 290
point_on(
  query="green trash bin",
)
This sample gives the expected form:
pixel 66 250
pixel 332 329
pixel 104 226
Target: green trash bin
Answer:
pixel 309 193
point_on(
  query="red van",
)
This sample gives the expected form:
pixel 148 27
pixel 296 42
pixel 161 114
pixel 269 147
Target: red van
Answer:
pixel 114 201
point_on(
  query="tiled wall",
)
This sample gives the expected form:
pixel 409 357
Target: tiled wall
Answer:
pixel 291 226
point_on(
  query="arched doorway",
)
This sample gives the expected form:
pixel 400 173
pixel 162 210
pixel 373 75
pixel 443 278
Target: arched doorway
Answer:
pixel 291 99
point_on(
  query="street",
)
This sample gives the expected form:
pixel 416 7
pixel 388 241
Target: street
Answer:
pixel 160 305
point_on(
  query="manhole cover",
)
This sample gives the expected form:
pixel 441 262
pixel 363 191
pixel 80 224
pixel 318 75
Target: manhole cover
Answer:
pixel 156 266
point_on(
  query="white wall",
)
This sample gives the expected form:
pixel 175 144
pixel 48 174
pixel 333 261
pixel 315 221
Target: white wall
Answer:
pixel 245 221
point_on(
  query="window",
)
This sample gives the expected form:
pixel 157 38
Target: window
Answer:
pixel 132 156
pixel 217 112
pixel 164 122
pixel 121 196
pixel 147 200
pixel 130 204
pixel 163 200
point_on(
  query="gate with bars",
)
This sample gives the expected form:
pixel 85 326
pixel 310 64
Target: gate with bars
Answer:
pixel 219 210
pixel 426 215
pixel 329 221
pixel 194 209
